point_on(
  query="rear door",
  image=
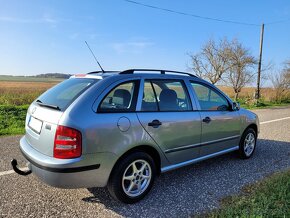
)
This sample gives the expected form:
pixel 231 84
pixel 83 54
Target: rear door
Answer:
pixel 220 124
pixel 167 114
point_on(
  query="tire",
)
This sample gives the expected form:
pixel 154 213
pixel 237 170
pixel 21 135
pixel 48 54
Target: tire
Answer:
pixel 248 143
pixel 130 184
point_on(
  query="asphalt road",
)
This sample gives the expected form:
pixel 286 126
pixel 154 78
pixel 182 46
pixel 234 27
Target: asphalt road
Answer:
pixel 181 193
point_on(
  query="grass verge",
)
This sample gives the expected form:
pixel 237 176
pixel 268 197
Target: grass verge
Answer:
pixel 12 119
pixel 264 105
pixel 267 198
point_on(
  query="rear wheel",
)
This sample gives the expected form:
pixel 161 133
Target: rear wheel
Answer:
pixel 248 143
pixel 132 177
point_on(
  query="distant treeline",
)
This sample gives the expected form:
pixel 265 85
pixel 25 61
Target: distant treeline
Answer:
pixel 43 75
pixel 54 75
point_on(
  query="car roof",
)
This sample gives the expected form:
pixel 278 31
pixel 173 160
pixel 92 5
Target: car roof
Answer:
pixel 154 73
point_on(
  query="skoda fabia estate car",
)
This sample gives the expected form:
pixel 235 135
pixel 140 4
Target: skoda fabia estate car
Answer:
pixel 121 129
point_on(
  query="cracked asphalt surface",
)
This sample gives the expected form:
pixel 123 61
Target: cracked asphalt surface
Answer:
pixel 184 192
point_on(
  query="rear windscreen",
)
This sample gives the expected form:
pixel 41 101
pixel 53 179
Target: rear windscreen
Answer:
pixel 63 94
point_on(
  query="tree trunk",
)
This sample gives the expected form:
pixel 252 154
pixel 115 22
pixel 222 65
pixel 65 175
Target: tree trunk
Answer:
pixel 236 95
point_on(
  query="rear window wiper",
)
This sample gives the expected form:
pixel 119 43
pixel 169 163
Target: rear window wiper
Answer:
pixel 39 102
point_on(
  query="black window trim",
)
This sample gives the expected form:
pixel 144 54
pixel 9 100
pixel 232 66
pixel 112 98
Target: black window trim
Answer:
pixel 212 88
pixel 134 99
pixel 166 79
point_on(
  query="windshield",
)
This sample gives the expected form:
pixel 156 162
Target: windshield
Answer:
pixel 63 94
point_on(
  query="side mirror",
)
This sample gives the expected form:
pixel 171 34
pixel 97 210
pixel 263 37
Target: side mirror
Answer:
pixel 236 106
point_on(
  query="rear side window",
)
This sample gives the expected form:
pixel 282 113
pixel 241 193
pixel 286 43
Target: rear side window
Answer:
pixel 165 95
pixel 63 94
pixel 209 99
pixel 122 98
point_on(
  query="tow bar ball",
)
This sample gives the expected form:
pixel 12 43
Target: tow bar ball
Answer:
pixel 17 170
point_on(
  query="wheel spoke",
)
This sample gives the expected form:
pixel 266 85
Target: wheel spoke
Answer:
pixel 139 187
pixel 146 177
pixel 143 167
pixel 132 184
pixel 131 177
pixel 135 170
pixel 252 145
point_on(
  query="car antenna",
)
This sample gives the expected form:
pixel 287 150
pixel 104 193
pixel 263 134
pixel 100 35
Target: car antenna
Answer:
pixel 95 57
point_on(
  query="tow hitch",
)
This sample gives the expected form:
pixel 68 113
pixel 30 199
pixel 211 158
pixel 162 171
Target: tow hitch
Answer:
pixel 17 170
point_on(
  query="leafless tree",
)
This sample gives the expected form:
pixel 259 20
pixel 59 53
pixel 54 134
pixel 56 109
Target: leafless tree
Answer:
pixel 212 62
pixel 241 63
pixel 281 83
pixel 266 70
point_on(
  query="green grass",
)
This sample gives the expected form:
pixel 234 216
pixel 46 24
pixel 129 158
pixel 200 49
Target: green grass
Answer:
pixel 28 79
pixel 12 119
pixel 267 198
pixel 264 105
pixel 250 104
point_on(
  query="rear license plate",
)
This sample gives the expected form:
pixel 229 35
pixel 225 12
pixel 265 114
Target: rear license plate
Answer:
pixel 35 124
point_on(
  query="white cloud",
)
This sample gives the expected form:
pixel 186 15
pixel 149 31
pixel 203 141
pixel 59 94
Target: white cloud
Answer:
pixel 136 47
pixel 18 20
pixel 49 19
pixel 45 19
pixel 74 36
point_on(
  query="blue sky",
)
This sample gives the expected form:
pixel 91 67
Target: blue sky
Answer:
pixel 48 36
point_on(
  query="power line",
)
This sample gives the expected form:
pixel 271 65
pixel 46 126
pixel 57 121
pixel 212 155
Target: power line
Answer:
pixel 204 17
pixel 277 22
pixel 193 15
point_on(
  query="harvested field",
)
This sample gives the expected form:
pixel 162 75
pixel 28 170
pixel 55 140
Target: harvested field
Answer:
pixel 21 93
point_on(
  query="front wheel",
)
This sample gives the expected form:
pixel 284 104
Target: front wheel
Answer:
pixel 248 143
pixel 132 177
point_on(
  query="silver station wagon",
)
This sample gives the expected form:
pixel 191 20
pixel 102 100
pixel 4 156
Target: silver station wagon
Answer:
pixel 122 129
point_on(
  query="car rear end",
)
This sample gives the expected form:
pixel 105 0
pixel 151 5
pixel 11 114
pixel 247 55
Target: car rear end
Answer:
pixel 54 148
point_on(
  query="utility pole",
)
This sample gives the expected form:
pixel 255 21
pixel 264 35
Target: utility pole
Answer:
pixel 257 94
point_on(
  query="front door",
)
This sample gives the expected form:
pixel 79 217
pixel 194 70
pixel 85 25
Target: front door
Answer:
pixel 220 124
pixel 167 116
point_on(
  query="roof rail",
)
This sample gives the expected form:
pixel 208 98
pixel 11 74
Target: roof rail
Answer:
pixel 95 72
pixel 131 71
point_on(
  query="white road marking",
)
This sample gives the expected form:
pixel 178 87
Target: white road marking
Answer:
pixel 11 171
pixel 271 121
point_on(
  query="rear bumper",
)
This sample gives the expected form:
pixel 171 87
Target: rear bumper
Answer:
pixel 91 170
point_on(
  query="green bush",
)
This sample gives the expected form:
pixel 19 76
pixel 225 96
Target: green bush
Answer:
pixel 12 119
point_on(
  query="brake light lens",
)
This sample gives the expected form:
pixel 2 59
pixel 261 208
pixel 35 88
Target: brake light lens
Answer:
pixel 67 143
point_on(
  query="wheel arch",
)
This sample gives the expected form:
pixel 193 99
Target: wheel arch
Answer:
pixel 252 126
pixel 150 150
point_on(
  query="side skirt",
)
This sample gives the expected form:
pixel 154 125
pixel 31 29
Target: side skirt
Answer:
pixel 182 164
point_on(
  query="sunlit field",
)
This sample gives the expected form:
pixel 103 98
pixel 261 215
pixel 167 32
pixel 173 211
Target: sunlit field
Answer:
pixel 21 93
pixel 24 92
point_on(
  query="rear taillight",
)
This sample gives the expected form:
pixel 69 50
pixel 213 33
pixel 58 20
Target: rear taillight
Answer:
pixel 67 143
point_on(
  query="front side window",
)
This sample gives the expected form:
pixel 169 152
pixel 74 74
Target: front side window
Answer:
pixel 165 95
pixel 209 99
pixel 122 98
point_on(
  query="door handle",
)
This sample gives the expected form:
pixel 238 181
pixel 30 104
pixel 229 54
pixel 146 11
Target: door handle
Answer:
pixel 206 120
pixel 155 123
